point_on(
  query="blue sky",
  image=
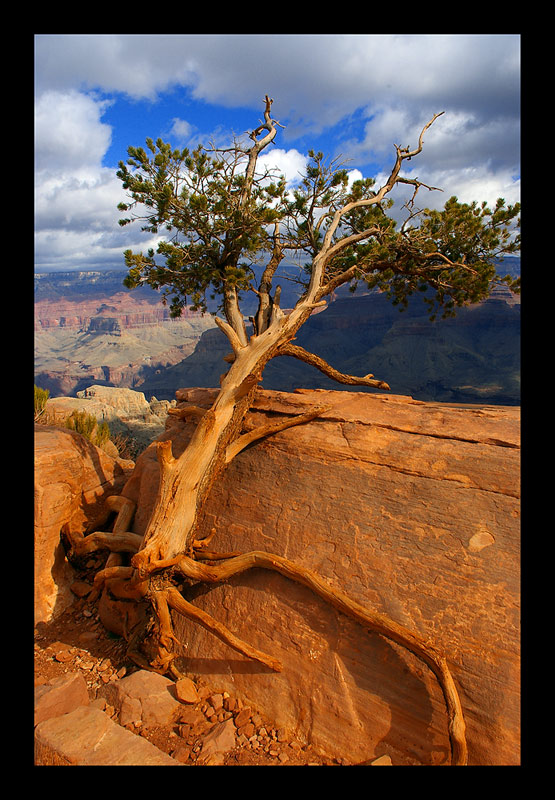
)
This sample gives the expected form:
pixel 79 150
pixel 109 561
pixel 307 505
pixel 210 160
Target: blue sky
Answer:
pixel 348 95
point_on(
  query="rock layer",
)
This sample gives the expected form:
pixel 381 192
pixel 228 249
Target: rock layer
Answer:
pixel 73 478
pixel 409 507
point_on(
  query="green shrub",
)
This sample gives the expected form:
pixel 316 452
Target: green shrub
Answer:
pixel 88 426
pixel 41 396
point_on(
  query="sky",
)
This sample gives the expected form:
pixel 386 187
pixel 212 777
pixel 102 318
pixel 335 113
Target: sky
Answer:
pixel 348 95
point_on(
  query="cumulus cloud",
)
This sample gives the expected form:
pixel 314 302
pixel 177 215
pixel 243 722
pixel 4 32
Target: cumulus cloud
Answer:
pixel 289 163
pixel 377 89
pixel 76 216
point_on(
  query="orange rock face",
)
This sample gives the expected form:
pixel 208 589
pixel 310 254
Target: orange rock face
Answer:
pixel 72 480
pixel 409 507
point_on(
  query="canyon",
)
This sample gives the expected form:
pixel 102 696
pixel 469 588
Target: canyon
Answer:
pixel 89 330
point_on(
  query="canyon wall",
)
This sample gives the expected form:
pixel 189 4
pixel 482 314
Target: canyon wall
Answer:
pixel 409 507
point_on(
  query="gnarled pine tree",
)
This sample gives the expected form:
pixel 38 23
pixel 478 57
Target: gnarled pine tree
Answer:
pixel 220 214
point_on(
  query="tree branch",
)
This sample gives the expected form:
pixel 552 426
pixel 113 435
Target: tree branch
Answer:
pixel 309 358
pixel 231 334
pixel 328 249
pixel 268 430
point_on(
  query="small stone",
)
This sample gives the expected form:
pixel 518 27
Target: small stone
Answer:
pixel 63 656
pixel 382 761
pixel 121 672
pixel 229 704
pixel 181 754
pixel 295 746
pixel 80 588
pixel 216 701
pixel 217 743
pixel 186 691
pixel 190 716
pixel 247 730
pixel 282 735
pixel 88 636
pixel 243 717
pixel 283 757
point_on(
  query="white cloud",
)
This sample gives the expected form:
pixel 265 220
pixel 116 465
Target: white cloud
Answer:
pixel 69 133
pixel 386 85
pixel 76 216
pixel 289 163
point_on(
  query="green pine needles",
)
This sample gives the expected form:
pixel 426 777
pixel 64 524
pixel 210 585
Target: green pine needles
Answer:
pixel 218 217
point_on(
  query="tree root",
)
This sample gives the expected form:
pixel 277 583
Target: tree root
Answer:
pixel 182 606
pixel 126 582
pixel 424 650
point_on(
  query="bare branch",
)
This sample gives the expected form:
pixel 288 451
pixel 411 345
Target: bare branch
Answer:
pixel 310 358
pixel 268 430
pixel 231 334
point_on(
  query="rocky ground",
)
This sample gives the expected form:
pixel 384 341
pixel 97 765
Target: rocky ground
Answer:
pixel 76 642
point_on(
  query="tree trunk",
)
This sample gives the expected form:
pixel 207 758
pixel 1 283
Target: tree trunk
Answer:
pixel 185 482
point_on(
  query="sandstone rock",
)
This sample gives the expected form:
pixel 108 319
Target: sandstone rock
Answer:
pixel 409 507
pixel 382 761
pixel 116 401
pixel 88 737
pixel 73 478
pixel 60 696
pixel 144 697
pixel 186 691
pixel 217 743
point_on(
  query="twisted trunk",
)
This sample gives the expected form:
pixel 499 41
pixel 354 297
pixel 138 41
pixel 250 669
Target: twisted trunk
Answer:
pixel 185 482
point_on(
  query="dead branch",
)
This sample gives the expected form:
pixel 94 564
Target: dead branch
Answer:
pixel 329 248
pixel 268 430
pixel 310 358
pixel 231 334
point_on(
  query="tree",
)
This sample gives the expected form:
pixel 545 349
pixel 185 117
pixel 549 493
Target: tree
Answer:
pixel 219 214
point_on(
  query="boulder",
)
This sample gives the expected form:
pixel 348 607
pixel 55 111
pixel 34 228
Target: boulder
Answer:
pixel 409 507
pixel 60 696
pixel 73 478
pixel 127 412
pixel 217 743
pixel 143 697
pixel 88 737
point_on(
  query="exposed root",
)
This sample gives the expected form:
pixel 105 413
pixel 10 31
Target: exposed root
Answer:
pixel 182 606
pixel 366 617
pixel 130 583
pixel 116 542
